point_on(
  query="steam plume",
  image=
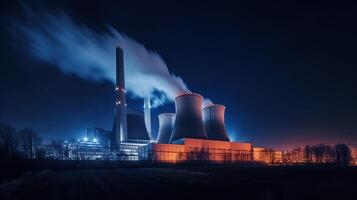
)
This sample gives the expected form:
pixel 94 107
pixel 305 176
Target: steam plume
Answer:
pixel 207 102
pixel 74 48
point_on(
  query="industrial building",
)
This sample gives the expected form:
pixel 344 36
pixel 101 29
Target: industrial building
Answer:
pixel 192 133
pixel 353 148
pixel 268 156
pixel 183 135
pixel 192 150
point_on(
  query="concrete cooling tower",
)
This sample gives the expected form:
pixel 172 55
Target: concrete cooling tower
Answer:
pixel 213 120
pixel 188 120
pixel 166 124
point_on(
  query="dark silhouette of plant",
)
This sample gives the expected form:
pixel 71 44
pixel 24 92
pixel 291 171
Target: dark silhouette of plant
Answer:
pixel 8 141
pixel 30 141
pixel 343 155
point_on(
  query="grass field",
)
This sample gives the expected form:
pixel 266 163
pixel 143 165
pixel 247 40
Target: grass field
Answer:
pixel 195 182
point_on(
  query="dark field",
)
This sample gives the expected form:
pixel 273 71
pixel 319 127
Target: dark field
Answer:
pixel 222 182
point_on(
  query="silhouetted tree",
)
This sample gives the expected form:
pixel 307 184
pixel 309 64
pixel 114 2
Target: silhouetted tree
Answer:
pixel 343 154
pixel 8 141
pixel 227 157
pixel 180 156
pixel 330 153
pixel 308 154
pixel 58 147
pixel 320 153
pixel 30 142
pixel 40 154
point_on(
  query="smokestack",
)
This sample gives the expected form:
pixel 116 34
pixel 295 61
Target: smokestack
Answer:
pixel 147 114
pixel 213 120
pixel 188 121
pixel 121 133
pixel 166 124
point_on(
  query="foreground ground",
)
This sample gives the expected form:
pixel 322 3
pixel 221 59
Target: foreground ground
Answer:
pixel 185 183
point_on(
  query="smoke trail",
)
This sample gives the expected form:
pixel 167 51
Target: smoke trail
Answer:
pixel 74 48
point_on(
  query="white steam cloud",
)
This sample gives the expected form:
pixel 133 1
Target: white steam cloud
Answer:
pixel 207 102
pixel 74 48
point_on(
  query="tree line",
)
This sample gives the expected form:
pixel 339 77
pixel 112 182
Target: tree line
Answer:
pixel 339 154
pixel 24 143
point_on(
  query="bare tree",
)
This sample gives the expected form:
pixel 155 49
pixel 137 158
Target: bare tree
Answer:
pixel 308 154
pixel 30 142
pixel 8 141
pixel 343 154
pixel 59 149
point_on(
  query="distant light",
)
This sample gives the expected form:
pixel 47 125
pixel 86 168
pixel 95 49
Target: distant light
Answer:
pixel 95 140
pixel 65 141
pixel 85 139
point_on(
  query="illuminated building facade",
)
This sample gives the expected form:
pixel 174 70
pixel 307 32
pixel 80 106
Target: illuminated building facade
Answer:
pixel 197 150
pixel 294 156
pixel 267 156
pixel 353 148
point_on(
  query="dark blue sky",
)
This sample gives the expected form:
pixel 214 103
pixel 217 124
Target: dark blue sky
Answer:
pixel 286 72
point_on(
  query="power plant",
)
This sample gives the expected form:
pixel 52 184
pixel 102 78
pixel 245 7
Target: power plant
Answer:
pixel 192 133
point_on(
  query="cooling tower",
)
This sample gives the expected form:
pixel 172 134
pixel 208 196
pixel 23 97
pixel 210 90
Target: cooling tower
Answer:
pixel 166 124
pixel 213 120
pixel 188 121
pixel 121 133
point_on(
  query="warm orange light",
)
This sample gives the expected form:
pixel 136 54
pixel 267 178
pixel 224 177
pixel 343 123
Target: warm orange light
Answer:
pixel 202 150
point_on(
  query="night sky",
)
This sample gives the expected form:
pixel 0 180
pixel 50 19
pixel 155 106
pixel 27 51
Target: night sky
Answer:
pixel 285 71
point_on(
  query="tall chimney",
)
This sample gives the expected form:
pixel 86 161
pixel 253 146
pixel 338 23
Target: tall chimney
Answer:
pixel 147 114
pixel 121 133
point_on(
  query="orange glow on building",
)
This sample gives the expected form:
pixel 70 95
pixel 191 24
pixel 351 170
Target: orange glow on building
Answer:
pixel 198 150
pixel 295 156
pixel 353 148
pixel 267 156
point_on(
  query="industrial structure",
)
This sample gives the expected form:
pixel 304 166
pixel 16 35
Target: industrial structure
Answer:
pixel 188 120
pixel 353 148
pixel 166 124
pixel 147 113
pixel 213 120
pixel 189 134
pixel 120 117
pixel 189 141
pixel 192 133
